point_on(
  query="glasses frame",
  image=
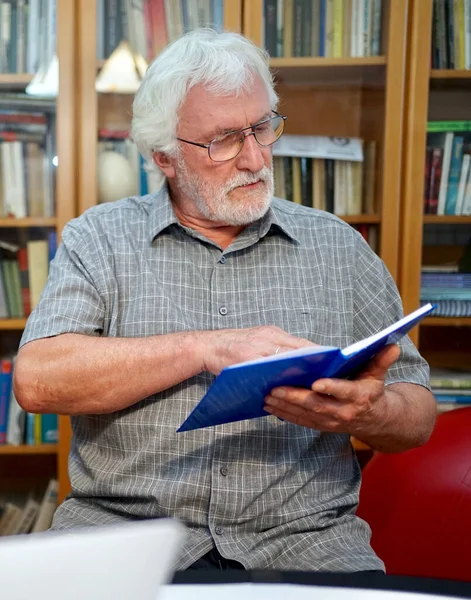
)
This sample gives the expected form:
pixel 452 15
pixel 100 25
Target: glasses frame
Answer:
pixel 252 132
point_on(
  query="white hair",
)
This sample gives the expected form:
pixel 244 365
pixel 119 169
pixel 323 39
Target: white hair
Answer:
pixel 224 62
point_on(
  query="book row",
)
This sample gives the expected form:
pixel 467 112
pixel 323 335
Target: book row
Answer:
pixel 328 28
pixel 31 513
pixel 447 183
pixel 149 25
pixel 341 187
pixel 17 426
pixel 451 34
pixel 27 164
pixel 27 35
pixel 23 274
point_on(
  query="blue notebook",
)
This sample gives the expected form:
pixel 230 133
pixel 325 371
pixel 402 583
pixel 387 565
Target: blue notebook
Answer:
pixel 239 391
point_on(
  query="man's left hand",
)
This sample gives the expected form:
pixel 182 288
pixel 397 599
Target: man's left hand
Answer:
pixel 337 405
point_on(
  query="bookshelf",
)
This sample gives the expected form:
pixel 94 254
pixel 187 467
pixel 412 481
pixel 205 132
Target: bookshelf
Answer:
pixel 27 467
pixel 431 95
pixel 350 96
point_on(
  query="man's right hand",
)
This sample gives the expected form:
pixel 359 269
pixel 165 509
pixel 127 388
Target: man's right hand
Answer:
pixel 225 347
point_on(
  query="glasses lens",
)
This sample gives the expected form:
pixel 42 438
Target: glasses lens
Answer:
pixel 268 132
pixel 226 147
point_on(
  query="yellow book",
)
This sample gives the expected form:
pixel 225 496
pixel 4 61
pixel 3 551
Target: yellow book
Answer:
pixel 461 30
pixel 337 28
pixel 37 429
pixel 288 28
pixel 297 194
pixel 318 183
pixel 38 268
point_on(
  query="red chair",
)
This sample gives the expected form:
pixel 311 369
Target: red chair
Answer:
pixel 418 503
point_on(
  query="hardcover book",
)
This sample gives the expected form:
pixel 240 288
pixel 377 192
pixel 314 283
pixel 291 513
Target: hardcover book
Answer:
pixel 238 392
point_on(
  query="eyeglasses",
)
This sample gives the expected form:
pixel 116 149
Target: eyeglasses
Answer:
pixel 228 146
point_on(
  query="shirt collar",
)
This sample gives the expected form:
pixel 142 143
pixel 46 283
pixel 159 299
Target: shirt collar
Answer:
pixel 162 216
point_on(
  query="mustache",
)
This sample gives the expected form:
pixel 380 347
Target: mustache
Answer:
pixel 264 174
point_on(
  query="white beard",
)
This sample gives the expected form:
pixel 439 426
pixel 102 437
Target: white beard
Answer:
pixel 214 202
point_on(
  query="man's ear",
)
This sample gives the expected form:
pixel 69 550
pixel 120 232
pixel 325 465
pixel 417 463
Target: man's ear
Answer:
pixel 165 163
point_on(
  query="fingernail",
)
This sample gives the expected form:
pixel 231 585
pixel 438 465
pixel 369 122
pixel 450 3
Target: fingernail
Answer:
pixel 278 393
pixel 319 387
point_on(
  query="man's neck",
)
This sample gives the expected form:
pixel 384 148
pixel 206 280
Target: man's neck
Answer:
pixel 220 234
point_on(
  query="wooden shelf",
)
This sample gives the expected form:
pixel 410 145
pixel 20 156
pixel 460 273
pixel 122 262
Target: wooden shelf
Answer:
pixel 447 321
pixel 334 71
pixel 361 219
pixel 450 74
pixel 322 62
pixel 12 324
pixel 39 449
pixel 450 219
pixel 28 222
pixel 14 81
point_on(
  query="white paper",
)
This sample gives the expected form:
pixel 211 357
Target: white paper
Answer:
pixel 314 146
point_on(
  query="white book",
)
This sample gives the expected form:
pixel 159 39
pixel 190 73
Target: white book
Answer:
pixel 367 27
pixel 17 190
pixel 47 508
pixel 173 19
pixel 354 29
pixel 16 419
pixel 32 53
pixel 466 208
pixel 445 172
pixel 467 34
pixel 462 184
pixel 5 35
pixel 359 26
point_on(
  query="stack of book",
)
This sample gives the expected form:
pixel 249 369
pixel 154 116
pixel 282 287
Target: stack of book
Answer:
pixel 447 185
pixel 18 427
pixel 451 388
pixel 451 35
pixel 28 514
pixel 150 25
pixel 329 173
pixel 26 164
pixel 329 28
pixel 451 292
pixel 23 273
pixel 28 35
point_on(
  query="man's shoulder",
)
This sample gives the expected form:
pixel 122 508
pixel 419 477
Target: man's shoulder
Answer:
pixel 103 216
pixel 306 217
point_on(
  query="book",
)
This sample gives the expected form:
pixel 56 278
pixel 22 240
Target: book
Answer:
pixel 239 391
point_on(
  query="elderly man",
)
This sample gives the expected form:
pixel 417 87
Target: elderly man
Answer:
pixel 150 297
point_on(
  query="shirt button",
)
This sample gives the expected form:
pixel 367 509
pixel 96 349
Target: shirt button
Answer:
pixel 224 471
pixel 223 310
pixel 219 530
pixel 222 259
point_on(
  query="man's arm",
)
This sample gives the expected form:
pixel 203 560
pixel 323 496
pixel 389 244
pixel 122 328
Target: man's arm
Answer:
pixel 389 418
pixel 81 374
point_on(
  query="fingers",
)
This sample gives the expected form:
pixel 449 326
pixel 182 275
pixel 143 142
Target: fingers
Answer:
pixel 378 366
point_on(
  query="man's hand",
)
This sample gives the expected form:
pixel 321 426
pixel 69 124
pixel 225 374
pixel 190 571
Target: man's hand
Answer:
pixel 225 347
pixel 338 405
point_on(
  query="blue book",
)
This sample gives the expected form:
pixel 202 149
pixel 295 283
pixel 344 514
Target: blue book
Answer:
pixel 239 391
pixel 454 175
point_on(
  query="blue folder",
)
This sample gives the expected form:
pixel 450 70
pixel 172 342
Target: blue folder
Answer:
pixel 239 391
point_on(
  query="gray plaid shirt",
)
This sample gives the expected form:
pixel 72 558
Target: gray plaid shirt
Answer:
pixel 267 493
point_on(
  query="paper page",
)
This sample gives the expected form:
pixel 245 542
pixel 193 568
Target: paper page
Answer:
pixel 307 351
pixel 284 591
pixel 357 346
pixel 317 146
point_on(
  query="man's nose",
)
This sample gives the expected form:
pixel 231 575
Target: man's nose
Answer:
pixel 251 156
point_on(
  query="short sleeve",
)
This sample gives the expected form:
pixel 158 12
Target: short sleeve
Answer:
pixel 377 304
pixel 71 301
